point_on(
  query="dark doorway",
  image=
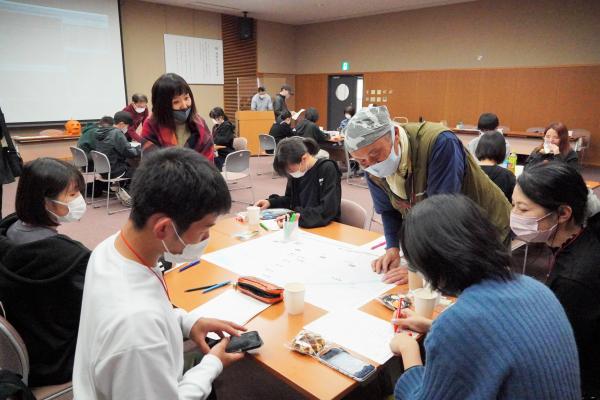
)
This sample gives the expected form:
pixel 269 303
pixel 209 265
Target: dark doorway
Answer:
pixel 342 92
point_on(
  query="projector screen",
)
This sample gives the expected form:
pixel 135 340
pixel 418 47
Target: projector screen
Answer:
pixel 60 60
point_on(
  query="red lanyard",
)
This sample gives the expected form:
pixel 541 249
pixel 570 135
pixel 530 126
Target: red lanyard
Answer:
pixel 162 282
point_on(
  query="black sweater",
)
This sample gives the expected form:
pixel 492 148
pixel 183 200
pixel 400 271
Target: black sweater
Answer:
pixel 280 131
pixel 570 158
pixel 316 196
pixel 223 134
pixel 309 129
pixel 41 286
pixel 575 280
pixel 502 177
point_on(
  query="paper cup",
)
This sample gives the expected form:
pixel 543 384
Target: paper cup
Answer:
pixel 293 298
pixel 290 230
pixel 415 281
pixel 425 301
pixel 253 215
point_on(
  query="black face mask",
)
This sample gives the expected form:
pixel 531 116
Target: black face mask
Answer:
pixel 181 115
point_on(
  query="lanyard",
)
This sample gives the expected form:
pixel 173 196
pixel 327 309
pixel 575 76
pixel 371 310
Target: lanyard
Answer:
pixel 162 282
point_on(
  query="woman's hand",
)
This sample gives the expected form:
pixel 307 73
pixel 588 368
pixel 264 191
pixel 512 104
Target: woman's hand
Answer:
pixel 263 204
pixel 408 319
pixel 404 344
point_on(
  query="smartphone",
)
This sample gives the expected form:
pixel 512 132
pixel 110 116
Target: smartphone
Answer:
pixel 244 342
pixel 339 359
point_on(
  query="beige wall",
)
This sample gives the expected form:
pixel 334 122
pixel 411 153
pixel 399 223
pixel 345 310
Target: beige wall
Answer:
pixel 275 48
pixel 507 33
pixel 144 25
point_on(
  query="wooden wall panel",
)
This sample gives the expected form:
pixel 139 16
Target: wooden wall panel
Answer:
pixel 311 91
pixel 522 97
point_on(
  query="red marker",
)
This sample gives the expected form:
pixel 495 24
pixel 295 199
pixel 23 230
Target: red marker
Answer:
pixel 397 316
pixel 377 245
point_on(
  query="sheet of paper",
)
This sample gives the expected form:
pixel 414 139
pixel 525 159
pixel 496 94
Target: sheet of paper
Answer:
pixel 379 251
pixel 231 306
pixel 336 275
pixel 297 114
pixel 356 331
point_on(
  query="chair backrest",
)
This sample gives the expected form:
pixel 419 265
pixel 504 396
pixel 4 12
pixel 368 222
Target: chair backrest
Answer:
pixel 401 120
pixel 353 214
pixel 240 143
pixel 13 353
pixel 237 161
pixel 267 142
pixel 536 129
pixel 101 163
pixel 80 159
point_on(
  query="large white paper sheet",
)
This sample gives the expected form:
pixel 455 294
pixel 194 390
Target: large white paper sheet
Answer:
pixel 356 331
pixel 336 275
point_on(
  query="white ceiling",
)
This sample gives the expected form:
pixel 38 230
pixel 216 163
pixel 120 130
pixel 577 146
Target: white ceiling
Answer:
pixel 299 12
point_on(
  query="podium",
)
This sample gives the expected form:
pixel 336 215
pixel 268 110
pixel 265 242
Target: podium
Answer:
pixel 252 123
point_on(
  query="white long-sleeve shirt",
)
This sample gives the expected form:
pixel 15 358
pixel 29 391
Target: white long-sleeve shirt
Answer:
pixel 130 342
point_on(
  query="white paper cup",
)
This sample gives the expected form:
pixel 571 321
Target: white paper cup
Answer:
pixel 293 298
pixel 253 215
pixel 425 302
pixel 290 230
pixel 415 281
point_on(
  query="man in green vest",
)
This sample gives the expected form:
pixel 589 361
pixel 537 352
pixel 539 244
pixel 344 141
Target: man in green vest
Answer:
pixel 409 162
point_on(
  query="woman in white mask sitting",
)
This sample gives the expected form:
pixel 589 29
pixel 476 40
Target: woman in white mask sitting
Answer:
pixel 42 271
pixel 314 185
pixel 550 202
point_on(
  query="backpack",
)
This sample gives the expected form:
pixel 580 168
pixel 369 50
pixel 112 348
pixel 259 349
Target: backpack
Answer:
pixel 12 387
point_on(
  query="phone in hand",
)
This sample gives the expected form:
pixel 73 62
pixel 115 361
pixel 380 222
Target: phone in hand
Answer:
pixel 245 342
pixel 339 359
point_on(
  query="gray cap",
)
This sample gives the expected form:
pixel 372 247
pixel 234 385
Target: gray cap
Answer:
pixel 367 125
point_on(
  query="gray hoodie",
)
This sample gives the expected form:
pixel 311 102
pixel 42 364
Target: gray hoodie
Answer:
pixel 112 142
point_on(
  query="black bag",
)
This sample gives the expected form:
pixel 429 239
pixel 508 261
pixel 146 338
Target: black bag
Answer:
pixel 12 387
pixel 11 157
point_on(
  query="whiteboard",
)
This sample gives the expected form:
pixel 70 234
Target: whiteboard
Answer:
pixel 197 60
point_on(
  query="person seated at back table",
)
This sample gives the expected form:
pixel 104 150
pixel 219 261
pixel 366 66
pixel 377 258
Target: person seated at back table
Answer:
pixel 42 271
pixel 138 108
pixel 223 133
pixel 488 122
pixel 556 146
pixel 313 188
pixel 490 152
pixel 87 140
pixel 112 142
pixel 308 127
pixel 283 129
pixel 348 114
pixel 551 202
pixel 506 337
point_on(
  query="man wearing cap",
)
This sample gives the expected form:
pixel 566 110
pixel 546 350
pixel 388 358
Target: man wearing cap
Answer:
pixel 409 162
pixel 280 105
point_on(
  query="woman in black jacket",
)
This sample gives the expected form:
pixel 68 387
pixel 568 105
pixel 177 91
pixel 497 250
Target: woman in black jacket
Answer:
pixel 308 127
pixel 41 271
pixel 313 188
pixel 556 147
pixel 223 133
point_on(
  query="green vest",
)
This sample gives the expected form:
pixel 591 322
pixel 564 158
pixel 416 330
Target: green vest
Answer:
pixel 476 184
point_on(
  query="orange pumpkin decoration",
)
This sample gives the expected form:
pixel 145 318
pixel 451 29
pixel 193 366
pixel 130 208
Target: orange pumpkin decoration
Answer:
pixel 73 127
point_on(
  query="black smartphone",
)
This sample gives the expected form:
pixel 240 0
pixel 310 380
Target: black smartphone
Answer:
pixel 244 342
pixel 339 359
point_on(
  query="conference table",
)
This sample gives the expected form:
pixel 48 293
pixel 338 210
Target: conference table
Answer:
pixel 275 326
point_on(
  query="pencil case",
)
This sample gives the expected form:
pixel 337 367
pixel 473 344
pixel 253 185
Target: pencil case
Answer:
pixel 260 289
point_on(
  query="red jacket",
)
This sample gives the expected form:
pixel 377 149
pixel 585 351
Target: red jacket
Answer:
pixel 200 138
pixel 138 119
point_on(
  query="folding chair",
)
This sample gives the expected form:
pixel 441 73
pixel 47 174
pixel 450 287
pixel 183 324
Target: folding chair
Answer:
pixel 349 173
pixel 237 167
pixel 80 160
pixel 353 214
pixel 102 166
pixel 266 142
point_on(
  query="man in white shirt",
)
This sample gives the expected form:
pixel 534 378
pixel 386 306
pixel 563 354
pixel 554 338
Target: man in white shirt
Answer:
pixel 261 101
pixel 130 342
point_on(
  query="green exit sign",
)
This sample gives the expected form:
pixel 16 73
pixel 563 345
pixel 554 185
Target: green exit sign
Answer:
pixel 345 66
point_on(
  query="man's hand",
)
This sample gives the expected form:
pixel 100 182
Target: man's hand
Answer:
pixel 205 325
pixel 396 276
pixel 226 358
pixel 390 260
pixel 263 204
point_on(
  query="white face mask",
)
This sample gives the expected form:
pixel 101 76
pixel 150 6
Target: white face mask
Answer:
pixel 76 208
pixel 139 110
pixel 348 116
pixel 527 228
pixel 388 166
pixel 190 252
pixel 124 129
pixel 214 121
pixel 299 173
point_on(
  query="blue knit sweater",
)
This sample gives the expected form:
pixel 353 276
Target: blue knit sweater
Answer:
pixel 501 340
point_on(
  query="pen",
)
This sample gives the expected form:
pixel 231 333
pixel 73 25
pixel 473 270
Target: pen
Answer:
pixel 189 265
pixel 396 316
pixel 218 285
pixel 263 226
pixel 378 245
pixel 200 288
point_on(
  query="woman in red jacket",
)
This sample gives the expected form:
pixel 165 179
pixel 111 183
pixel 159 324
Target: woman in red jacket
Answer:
pixel 174 120
pixel 138 108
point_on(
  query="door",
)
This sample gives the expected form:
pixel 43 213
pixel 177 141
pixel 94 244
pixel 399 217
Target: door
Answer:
pixel 341 94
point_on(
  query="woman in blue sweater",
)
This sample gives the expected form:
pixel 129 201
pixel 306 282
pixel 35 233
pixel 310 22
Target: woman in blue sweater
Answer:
pixel 507 336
